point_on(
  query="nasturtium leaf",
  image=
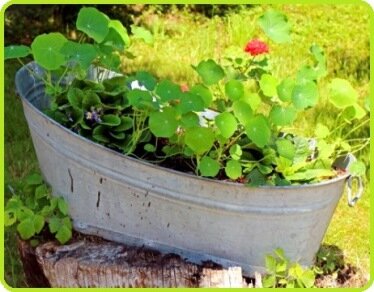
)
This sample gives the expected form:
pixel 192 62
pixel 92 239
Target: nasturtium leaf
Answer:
pixel 83 54
pixel 236 152
pixel 204 93
pixel 93 23
pixel 139 32
pixel 190 120
pixel 140 99
pixel 234 89
pixel 26 228
pixel 111 61
pixel 163 124
pixel 38 223
pixel 354 111
pixel 342 94
pixel 75 97
pixel 242 111
pixel 285 88
pixel 63 234
pixel 308 278
pixel 208 167
pixel 149 148
pixel 117 36
pixel 233 169
pixel 110 120
pixel 258 130
pixel 200 140
pixel 190 102
pixel 253 99
pixel 226 123
pixel 126 124
pixel 268 85
pixel 46 49
pixel 321 131
pixel 13 52
pixel 146 79
pixel 285 148
pixel 54 224
pixel 91 99
pixel 282 116
pixel 34 179
pixel 357 168
pixel 210 72
pixel 276 26
pixel 306 74
pixel 99 134
pixel 305 95
pixel 168 90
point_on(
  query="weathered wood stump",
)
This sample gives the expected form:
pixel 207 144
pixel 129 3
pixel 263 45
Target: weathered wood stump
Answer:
pixel 92 262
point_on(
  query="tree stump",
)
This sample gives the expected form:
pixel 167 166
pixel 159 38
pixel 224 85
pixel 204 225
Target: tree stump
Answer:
pixel 93 262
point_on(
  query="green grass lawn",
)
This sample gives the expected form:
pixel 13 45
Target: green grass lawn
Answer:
pixel 182 39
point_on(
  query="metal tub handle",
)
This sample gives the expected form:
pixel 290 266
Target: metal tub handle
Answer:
pixel 354 197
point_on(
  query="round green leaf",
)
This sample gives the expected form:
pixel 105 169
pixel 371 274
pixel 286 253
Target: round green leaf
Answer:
pixel 149 148
pixel 342 94
pixel 83 54
pixel 305 74
pixel 243 111
pixel 93 23
pixel 200 140
pixel 253 99
pixel 140 99
pixel 203 92
pixel 258 131
pixel 210 72
pixel 117 36
pixel 226 123
pixel 233 169
pixel 354 112
pixel 168 90
pixel 276 26
pixel 285 148
pixel 236 152
pixel 208 167
pixel 190 102
pixel 163 124
pixel 46 49
pixel 190 120
pixel 285 88
pixel 146 79
pixel 13 52
pixel 282 116
pixel 305 95
pixel 26 228
pixel 234 89
pixel 268 85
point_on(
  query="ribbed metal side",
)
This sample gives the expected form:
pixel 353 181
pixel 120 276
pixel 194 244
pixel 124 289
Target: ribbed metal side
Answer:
pixel 132 201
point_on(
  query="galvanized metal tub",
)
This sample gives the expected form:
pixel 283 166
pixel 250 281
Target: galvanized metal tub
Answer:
pixel 127 200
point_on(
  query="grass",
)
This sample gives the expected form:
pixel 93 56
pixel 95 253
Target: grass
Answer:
pixel 182 39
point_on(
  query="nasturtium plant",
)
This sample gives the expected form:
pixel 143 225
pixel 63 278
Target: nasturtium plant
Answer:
pixel 240 122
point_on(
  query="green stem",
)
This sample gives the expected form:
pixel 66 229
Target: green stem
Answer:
pixel 355 128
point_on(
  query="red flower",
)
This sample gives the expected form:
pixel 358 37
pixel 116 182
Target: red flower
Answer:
pixel 256 47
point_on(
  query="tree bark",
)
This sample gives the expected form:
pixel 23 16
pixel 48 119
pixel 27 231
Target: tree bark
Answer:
pixel 87 263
